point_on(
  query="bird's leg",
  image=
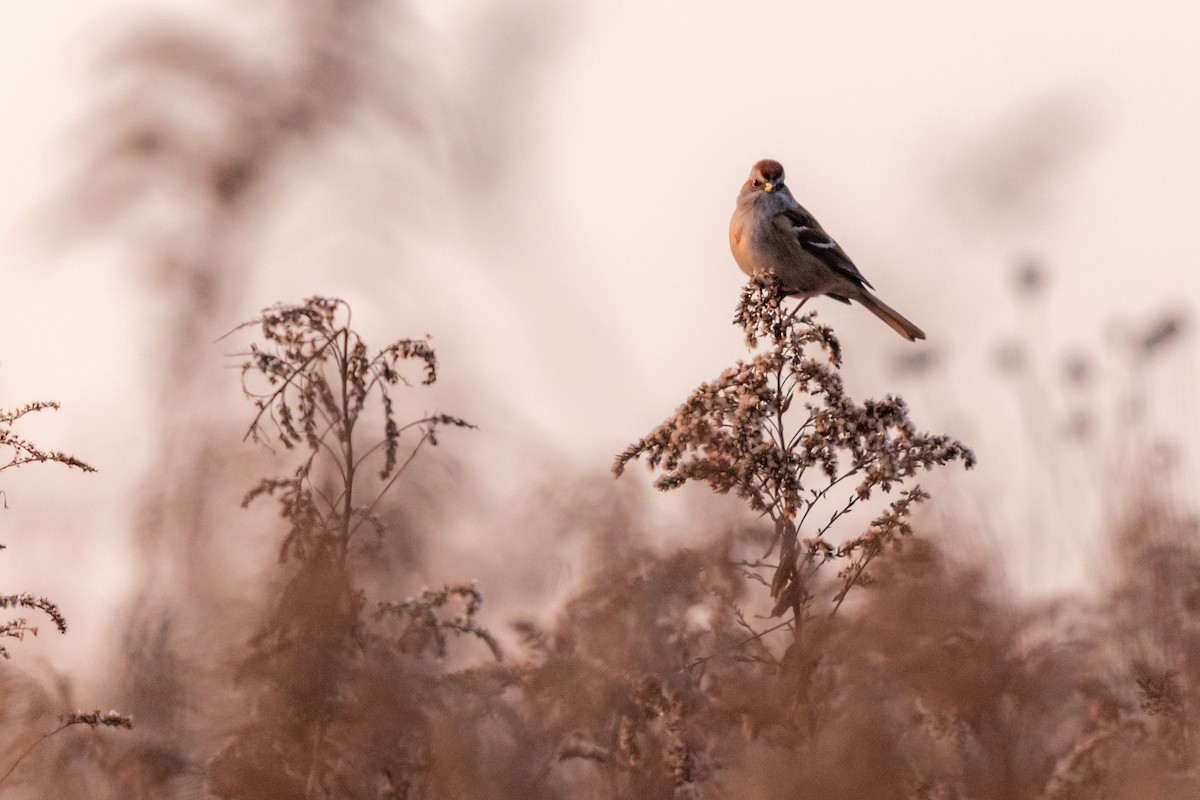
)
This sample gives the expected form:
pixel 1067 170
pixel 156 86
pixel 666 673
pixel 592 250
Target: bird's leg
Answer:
pixel 788 319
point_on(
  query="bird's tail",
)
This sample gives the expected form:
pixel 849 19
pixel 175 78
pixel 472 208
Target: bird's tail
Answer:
pixel 890 315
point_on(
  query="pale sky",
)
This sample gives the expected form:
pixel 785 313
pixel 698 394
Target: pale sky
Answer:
pixel 578 301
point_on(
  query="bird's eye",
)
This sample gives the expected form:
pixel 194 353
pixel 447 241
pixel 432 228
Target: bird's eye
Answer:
pixel 756 183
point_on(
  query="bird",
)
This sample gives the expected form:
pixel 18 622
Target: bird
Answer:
pixel 773 235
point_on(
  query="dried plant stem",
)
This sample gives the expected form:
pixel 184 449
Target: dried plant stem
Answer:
pixel 31 748
pixel 348 441
pixel 314 766
pixel 399 471
pixel 737 646
pixel 93 719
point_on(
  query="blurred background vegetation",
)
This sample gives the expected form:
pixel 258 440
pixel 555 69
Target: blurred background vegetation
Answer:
pixel 545 191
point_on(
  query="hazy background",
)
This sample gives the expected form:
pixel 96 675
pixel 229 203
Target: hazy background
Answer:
pixel 558 223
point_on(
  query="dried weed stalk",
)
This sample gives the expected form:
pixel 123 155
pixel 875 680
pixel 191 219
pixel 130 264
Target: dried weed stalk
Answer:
pixel 340 704
pixel 320 381
pixel 16 451
pixel 93 719
pixel 746 433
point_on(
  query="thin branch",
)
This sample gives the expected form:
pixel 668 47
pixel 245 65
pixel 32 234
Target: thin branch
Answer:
pixel 31 748
pixel 736 646
pixel 273 396
pixel 366 515
pixel 859 568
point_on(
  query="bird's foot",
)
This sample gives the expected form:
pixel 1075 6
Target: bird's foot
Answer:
pixel 791 316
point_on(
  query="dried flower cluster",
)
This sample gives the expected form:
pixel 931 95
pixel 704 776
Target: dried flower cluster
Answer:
pixel 17 628
pixel 423 628
pixel 318 379
pixel 99 719
pixel 780 431
pixel 16 451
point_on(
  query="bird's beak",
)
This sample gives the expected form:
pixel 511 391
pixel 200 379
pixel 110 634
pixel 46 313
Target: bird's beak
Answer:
pixel 768 187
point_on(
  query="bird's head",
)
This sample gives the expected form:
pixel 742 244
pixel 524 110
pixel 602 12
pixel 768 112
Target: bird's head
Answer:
pixel 766 177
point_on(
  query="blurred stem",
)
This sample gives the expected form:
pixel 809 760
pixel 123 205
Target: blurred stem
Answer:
pixel 348 423
pixel 697 662
pixel 801 595
pixel 31 748
pixel 314 763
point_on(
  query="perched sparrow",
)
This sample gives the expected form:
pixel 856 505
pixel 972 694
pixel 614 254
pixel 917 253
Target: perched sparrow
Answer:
pixel 772 234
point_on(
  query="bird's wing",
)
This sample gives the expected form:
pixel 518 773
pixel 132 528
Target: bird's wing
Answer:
pixel 815 241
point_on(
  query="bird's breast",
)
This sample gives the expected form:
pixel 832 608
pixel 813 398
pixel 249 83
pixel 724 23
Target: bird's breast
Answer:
pixel 762 247
pixel 741 242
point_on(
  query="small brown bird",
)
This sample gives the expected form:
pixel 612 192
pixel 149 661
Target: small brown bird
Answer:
pixel 772 234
